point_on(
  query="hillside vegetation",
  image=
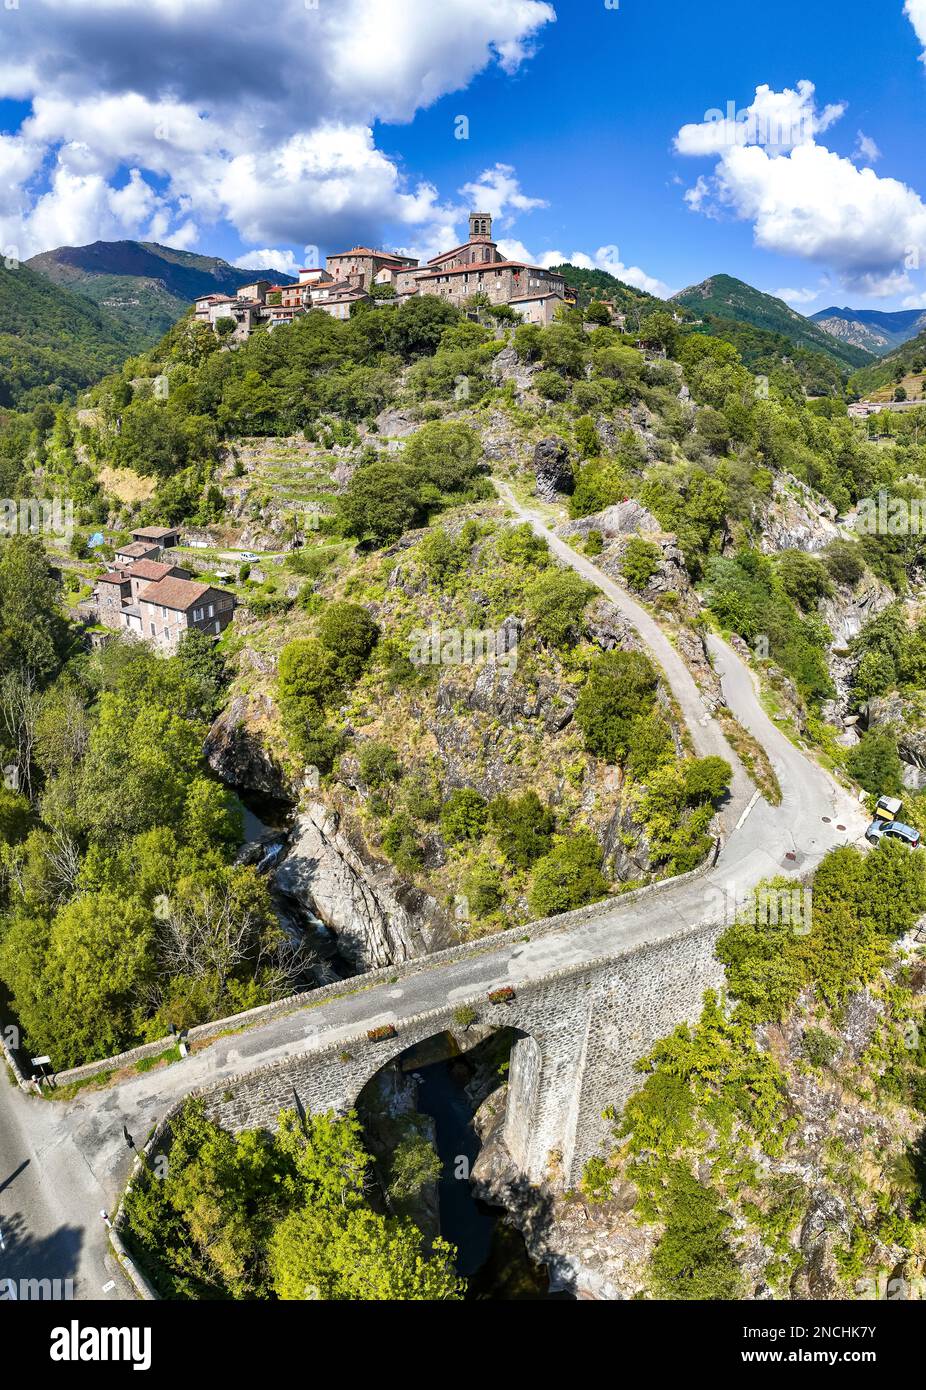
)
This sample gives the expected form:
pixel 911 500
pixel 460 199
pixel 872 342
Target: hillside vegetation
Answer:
pixel 725 297
pixel 141 284
pixel 473 788
pixel 52 343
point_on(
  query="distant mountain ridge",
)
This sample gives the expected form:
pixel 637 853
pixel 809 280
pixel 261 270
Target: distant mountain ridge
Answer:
pixel 144 284
pixel 877 330
pixel 725 297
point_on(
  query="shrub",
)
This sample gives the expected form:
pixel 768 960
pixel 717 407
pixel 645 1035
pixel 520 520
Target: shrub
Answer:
pixel 519 545
pixel 523 827
pixel 706 779
pixel 482 886
pixel 649 742
pixel 693 1258
pixel 805 578
pixel 308 679
pixel 587 441
pixel 597 1177
pixel 350 634
pixel 15 816
pixel 821 1049
pixel 464 816
pixel 844 562
pixel 381 501
pixel 444 454
pixel 621 687
pixel 568 877
pixel 640 562
pixel 555 603
pixel 551 385
pixel 599 484
pixel 379 764
pixel 594 543
pixel 875 763
pixel 401 843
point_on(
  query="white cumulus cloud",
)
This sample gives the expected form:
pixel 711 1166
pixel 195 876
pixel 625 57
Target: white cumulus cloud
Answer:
pixel 806 296
pixel 915 10
pixel 807 201
pixel 605 258
pixel 228 112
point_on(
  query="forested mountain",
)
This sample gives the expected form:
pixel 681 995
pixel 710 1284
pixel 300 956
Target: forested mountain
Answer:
pixel 146 285
pixel 876 330
pixel 725 297
pixel 52 342
pixel 895 367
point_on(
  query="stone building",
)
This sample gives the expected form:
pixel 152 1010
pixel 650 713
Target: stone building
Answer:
pixel 477 267
pixel 360 265
pixel 169 608
pixel 119 589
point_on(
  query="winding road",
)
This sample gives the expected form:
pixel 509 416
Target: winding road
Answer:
pixel 62 1162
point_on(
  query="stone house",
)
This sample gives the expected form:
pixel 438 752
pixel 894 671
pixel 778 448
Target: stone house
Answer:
pixel 172 606
pixel 130 553
pixel 361 264
pixel 118 590
pixel 164 536
pixel 537 307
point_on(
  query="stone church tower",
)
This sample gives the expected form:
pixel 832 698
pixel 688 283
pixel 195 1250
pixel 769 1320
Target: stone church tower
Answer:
pixel 480 226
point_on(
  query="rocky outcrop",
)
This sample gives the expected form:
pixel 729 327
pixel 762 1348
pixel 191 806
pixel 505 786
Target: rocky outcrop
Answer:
pixel 622 519
pixel 847 611
pixel 508 366
pixel 497 690
pixel 235 752
pixel 596 1253
pixel 797 518
pixel 553 468
pixel 378 917
pixel 893 710
pixel 396 424
pixel 826 1229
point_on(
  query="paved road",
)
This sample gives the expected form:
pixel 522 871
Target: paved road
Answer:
pixel 50 1204
pixel 75 1153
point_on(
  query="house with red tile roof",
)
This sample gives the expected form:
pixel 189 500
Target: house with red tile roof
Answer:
pixel 171 607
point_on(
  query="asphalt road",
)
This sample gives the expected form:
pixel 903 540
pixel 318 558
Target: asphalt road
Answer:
pixel 62 1162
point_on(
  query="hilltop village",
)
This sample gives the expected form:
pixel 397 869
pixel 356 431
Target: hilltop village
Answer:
pixel 364 275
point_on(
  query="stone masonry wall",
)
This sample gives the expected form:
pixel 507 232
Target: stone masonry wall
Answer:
pixel 589 1027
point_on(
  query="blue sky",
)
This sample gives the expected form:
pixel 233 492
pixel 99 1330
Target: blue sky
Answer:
pixel 200 124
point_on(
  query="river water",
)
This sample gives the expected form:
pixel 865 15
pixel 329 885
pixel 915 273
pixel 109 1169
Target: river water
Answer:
pixel 491 1253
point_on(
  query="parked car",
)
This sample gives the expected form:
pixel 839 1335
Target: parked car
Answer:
pixel 892 830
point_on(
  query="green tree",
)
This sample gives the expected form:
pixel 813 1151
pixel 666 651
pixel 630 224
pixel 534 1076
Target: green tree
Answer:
pixel 350 634
pixel 693 1259
pixel 640 561
pixel 621 687
pixel 523 827
pixel 380 502
pixel 556 601
pixel 568 877
pixel 33 634
pixel 875 763
pixel 464 816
